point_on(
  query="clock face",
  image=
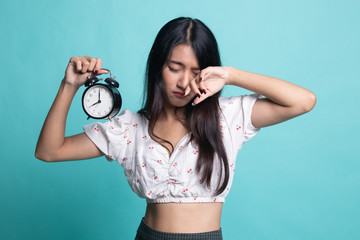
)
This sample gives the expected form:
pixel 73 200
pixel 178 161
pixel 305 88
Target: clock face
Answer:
pixel 98 101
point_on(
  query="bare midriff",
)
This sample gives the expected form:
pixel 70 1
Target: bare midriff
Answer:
pixel 183 217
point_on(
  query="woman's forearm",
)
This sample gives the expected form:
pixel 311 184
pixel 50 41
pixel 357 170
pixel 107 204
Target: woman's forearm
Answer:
pixel 52 135
pixel 279 91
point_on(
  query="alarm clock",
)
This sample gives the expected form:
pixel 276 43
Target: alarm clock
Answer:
pixel 101 101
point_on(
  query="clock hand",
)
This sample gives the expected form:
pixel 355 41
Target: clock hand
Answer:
pixel 96 103
pixel 99 94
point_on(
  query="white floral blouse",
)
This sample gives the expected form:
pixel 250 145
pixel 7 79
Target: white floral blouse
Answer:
pixel 159 178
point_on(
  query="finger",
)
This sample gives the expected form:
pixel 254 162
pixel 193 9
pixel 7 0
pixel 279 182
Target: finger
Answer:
pixel 103 71
pixel 76 62
pixel 92 62
pixel 188 89
pixel 72 61
pixel 202 87
pixel 204 74
pixel 194 87
pixel 198 100
pixel 98 65
pixel 85 65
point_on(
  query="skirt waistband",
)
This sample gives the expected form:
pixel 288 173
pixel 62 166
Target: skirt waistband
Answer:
pixel 145 232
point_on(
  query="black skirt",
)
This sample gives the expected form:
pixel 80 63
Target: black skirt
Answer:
pixel 145 232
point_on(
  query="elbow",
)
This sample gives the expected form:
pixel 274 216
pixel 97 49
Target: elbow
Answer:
pixel 43 157
pixel 310 102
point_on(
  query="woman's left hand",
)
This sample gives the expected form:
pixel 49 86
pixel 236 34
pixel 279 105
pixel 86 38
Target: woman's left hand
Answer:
pixel 210 81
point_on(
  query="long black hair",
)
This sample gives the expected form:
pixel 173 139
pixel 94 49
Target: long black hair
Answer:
pixel 202 120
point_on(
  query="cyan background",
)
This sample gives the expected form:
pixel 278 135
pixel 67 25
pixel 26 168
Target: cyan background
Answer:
pixel 295 180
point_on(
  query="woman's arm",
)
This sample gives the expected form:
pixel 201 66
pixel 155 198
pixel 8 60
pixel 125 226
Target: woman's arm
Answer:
pixel 283 101
pixel 52 145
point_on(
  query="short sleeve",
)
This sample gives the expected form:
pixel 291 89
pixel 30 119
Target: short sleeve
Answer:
pixel 111 136
pixel 236 112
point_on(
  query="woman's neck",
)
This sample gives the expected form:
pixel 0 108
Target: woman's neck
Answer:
pixel 171 113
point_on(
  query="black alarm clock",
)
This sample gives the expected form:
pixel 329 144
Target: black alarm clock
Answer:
pixel 101 101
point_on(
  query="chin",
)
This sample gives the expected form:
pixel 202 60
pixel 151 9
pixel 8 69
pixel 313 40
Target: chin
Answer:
pixel 181 103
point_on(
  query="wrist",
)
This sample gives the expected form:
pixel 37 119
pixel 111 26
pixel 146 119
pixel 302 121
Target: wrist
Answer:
pixel 237 77
pixel 68 87
pixel 232 75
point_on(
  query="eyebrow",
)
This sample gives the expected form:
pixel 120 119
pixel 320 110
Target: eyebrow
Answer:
pixel 181 64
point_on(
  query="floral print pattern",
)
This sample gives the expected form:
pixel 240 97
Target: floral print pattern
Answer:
pixel 152 173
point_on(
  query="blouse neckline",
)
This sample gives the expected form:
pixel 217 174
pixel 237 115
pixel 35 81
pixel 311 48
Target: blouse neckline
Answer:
pixel 163 149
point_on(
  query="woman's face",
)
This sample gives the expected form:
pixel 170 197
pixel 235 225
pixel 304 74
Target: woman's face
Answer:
pixel 178 71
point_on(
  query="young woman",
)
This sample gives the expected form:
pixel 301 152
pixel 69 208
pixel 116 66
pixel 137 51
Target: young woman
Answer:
pixel 179 150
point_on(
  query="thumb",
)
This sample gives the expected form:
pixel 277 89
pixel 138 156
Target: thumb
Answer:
pixel 187 91
pixel 102 71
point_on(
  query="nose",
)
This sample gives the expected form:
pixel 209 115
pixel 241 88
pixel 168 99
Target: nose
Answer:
pixel 184 81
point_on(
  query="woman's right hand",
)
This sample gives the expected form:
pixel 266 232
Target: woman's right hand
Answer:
pixel 79 68
pixel 52 145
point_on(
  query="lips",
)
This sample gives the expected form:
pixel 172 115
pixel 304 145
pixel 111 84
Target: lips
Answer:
pixel 179 94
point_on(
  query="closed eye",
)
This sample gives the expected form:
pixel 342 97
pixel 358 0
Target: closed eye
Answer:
pixel 173 70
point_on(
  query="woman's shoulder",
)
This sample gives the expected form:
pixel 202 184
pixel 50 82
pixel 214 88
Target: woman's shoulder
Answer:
pixel 129 116
pixel 234 101
pixel 124 120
